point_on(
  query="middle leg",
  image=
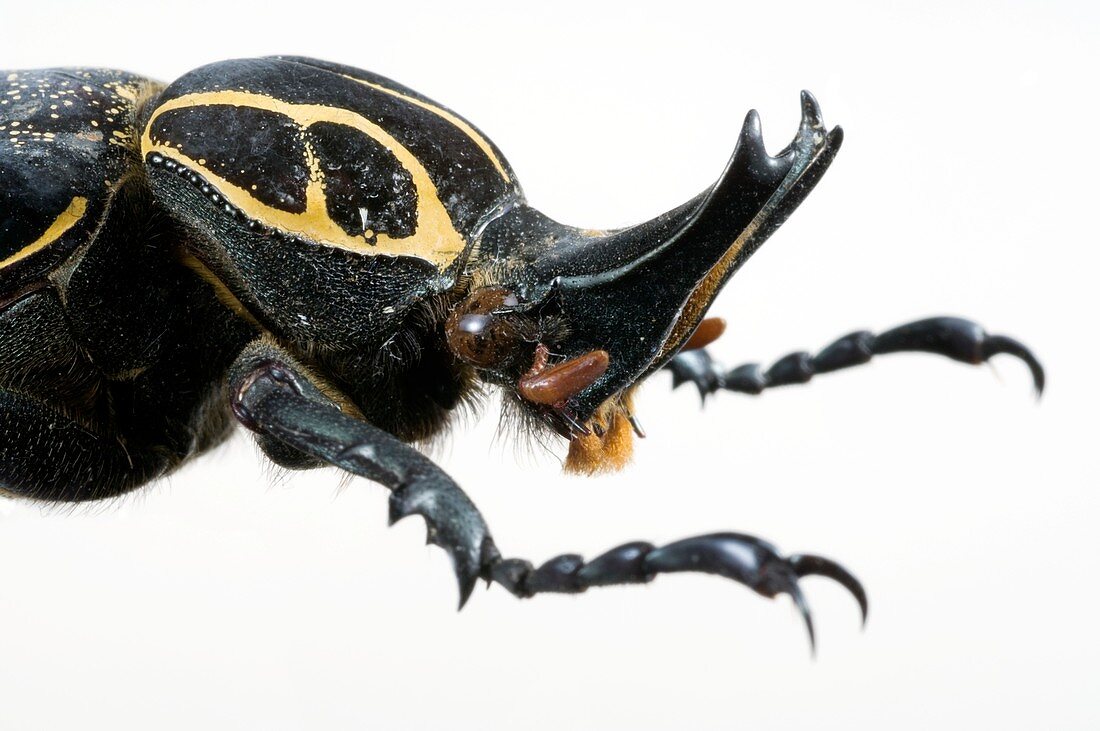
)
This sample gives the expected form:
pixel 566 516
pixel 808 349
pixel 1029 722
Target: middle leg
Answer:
pixel 953 337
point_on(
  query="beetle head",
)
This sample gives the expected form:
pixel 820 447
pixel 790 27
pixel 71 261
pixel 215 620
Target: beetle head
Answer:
pixel 572 320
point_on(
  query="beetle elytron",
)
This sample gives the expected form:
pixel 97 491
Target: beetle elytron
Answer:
pixel 337 262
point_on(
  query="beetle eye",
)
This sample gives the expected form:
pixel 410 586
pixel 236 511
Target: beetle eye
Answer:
pixel 483 331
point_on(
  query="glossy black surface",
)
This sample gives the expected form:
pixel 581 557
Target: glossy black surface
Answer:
pixel 64 136
pixel 596 278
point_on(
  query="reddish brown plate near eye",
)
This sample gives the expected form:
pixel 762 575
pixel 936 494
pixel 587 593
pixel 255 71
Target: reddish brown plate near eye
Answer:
pixel 558 383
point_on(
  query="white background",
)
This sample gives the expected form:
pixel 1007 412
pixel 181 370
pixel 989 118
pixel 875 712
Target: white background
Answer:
pixel 231 596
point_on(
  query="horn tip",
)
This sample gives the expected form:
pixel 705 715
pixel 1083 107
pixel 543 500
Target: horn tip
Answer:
pixel 811 111
pixel 836 137
pixel 752 123
pixel 750 143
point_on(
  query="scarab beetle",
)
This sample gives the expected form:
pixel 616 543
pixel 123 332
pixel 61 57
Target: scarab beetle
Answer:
pixel 336 262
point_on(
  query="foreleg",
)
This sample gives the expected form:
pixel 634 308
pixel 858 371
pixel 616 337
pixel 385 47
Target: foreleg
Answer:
pixel 274 396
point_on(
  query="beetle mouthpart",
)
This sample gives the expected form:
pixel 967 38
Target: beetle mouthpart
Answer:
pixel 609 445
pixel 555 385
pixel 706 333
pixel 606 450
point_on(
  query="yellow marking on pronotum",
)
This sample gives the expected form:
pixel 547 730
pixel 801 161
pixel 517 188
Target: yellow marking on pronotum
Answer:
pixel 435 239
pixel 454 119
pixel 68 218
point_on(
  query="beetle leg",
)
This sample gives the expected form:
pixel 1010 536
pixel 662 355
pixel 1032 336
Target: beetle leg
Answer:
pixel 956 338
pixel 742 558
pixel 272 396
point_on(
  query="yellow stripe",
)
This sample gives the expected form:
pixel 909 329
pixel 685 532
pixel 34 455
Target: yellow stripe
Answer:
pixel 457 121
pixel 221 291
pixel 435 240
pixel 68 218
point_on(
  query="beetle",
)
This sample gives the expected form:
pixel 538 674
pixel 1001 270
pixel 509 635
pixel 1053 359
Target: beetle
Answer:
pixel 337 262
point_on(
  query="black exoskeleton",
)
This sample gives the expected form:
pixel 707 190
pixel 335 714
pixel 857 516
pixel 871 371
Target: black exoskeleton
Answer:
pixel 337 262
